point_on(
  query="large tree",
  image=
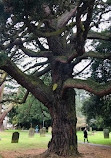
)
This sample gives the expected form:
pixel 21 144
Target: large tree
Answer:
pixel 57 31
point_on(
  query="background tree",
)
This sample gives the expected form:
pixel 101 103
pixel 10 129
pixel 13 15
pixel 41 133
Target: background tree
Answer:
pixel 97 111
pixel 95 107
pixel 31 112
pixel 56 31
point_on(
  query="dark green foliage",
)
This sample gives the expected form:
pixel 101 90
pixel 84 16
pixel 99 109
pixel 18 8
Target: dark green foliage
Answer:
pixel 1 8
pixel 109 2
pixel 34 8
pixel 96 107
pixel 3 15
pixel 101 69
pixel 31 112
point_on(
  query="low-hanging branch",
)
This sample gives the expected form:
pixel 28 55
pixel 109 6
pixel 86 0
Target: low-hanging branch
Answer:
pixel 89 85
pixel 35 86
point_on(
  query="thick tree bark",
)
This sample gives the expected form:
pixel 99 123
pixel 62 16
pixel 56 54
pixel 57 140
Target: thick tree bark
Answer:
pixel 64 139
pixel 1 126
pixel 2 116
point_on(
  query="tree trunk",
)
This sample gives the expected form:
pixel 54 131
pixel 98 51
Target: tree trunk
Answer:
pixel 63 113
pixel 1 120
pixel 2 117
pixel 1 126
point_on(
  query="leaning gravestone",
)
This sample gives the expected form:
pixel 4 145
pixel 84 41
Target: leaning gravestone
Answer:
pixel 31 132
pixel 15 137
pixel 106 133
pixel 42 132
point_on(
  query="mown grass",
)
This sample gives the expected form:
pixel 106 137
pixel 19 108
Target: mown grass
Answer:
pixel 96 138
pixel 25 142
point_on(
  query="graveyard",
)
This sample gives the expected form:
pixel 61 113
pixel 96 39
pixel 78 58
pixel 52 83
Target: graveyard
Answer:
pixel 33 144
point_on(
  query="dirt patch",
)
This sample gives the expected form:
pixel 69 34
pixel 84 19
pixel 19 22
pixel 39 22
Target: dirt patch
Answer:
pixel 27 152
pixel 89 151
pixel 86 151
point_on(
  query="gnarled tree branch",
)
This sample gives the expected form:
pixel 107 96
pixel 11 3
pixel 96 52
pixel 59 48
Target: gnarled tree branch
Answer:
pixel 62 21
pixel 88 85
pixel 96 55
pixel 35 86
pixel 31 53
pixel 2 116
pixel 99 36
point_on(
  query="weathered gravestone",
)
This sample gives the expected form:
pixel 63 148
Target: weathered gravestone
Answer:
pixel 90 128
pixel 15 137
pixel 42 132
pixel 31 132
pixel 49 129
pixel 106 133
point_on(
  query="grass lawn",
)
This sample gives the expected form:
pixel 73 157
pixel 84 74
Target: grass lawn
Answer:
pixel 97 138
pixel 25 142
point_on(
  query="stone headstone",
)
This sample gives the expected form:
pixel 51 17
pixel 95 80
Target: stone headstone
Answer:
pixel 42 132
pixel 90 128
pixel 49 129
pixel 106 133
pixel 15 137
pixel 31 132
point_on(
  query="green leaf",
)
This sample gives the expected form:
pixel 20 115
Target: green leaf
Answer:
pixel 55 85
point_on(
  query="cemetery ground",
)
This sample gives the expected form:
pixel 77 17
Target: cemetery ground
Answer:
pixel 31 147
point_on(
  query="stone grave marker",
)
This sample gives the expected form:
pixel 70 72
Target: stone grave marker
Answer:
pixel 106 133
pixel 42 132
pixel 49 129
pixel 15 137
pixel 31 132
pixel 90 128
